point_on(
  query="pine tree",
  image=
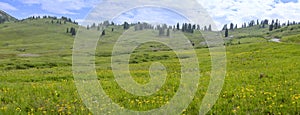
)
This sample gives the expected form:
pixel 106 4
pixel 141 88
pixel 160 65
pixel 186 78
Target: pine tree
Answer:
pixel 73 31
pixel 226 32
pixel 231 26
pixel 183 28
pixel 178 28
pixel 271 27
pixel 194 26
pixel 190 28
pixel 276 24
pixel 224 27
pixel 103 33
pixel 126 25
pixel 168 32
pixel 198 27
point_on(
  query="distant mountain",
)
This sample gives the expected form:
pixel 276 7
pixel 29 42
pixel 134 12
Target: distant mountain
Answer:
pixel 4 17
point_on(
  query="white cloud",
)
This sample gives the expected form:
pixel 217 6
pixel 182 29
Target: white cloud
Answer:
pixel 239 11
pixel 151 15
pixel 62 6
pixel 6 6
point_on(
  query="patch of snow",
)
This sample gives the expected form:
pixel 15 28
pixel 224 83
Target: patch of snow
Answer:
pixel 275 40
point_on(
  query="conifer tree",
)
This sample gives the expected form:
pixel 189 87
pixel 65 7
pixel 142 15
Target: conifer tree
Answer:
pixel 178 28
pixel 226 32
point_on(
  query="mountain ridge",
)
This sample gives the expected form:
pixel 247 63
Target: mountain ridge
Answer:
pixel 5 17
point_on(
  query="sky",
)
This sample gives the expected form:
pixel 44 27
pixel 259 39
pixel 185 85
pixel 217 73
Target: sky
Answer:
pixel 221 11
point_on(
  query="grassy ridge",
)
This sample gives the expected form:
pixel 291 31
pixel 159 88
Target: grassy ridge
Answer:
pixel 41 82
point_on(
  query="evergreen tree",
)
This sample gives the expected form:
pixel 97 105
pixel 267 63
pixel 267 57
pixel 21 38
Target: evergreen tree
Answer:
pixel 224 27
pixel 276 24
pixel 226 32
pixel 209 28
pixel 126 25
pixel 231 26
pixel 190 28
pixel 73 31
pixel 103 33
pixel 178 28
pixel 271 27
pixel 183 28
pixel 93 25
pixel 168 32
pixel 161 31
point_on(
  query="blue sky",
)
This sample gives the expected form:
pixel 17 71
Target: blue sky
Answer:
pixel 222 11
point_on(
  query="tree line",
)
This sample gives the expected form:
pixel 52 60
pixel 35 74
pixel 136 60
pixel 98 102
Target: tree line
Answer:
pixel 272 25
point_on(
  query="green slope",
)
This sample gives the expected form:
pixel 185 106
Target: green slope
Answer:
pixel 36 71
pixel 34 38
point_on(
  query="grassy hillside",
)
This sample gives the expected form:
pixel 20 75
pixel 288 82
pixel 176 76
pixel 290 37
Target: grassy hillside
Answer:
pixel 285 34
pixel 36 71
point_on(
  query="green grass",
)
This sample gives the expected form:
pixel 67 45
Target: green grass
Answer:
pixel 291 39
pixel 43 83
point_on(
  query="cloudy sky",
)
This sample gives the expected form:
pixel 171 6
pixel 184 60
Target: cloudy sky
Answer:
pixel 222 11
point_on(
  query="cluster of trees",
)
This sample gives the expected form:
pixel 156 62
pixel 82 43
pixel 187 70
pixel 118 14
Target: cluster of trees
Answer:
pixel 161 30
pixel 126 25
pixel 190 28
pixel 54 18
pixel 142 26
pixel 275 24
pixel 72 31
pixel 101 26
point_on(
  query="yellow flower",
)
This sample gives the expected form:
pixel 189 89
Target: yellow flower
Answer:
pixel 18 109
pixel 234 111
pixel 3 108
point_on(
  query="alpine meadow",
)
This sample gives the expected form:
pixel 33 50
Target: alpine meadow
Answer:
pixel 36 77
